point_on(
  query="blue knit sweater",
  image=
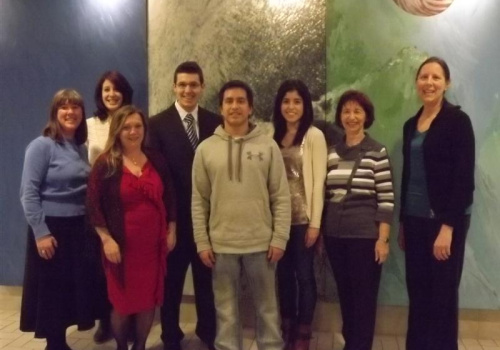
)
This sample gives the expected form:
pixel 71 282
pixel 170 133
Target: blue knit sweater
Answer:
pixel 54 181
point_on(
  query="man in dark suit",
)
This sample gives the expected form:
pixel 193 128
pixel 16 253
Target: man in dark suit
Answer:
pixel 176 132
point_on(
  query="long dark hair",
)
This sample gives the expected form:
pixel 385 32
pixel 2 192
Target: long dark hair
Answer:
pixel 279 121
pixel 53 128
pixel 121 84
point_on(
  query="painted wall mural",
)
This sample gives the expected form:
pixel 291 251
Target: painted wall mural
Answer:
pixel 372 45
pixel 262 42
pixel 258 41
pixel 376 46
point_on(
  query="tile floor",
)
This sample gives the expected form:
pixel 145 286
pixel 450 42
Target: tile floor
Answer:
pixel 13 339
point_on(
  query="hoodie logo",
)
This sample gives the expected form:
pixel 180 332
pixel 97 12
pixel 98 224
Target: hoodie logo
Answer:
pixel 259 155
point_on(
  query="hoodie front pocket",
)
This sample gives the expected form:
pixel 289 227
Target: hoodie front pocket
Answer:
pixel 239 220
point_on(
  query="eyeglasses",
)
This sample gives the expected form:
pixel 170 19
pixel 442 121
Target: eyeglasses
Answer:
pixel 184 86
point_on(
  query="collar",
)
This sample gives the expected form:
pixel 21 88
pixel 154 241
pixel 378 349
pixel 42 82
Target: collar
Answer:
pixel 182 112
pixel 351 153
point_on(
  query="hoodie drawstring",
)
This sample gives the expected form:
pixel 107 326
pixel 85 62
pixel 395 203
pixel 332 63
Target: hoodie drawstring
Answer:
pixel 240 151
pixel 230 158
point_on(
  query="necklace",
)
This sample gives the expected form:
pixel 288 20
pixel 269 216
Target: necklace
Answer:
pixel 132 160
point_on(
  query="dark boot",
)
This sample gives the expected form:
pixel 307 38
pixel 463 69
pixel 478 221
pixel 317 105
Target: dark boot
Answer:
pixel 288 333
pixel 103 332
pixel 303 338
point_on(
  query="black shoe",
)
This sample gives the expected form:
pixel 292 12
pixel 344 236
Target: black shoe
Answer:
pixel 103 333
pixel 208 341
pixel 65 347
pixel 175 345
pixel 208 344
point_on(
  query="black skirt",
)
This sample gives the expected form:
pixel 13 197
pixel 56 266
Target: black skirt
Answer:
pixel 64 290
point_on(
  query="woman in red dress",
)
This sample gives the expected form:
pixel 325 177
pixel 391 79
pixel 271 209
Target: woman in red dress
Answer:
pixel 131 205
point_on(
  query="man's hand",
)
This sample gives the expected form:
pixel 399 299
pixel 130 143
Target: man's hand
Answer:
pixel 171 241
pixel 207 258
pixel 275 254
pixel 172 236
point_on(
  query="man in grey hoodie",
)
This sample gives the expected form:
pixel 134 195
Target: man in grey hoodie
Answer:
pixel 241 217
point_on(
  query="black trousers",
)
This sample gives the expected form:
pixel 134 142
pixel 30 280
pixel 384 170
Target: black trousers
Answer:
pixel 358 277
pixel 432 285
pixel 177 265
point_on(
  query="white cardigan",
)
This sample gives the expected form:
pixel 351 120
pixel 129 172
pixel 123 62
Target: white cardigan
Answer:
pixel 98 131
pixel 314 163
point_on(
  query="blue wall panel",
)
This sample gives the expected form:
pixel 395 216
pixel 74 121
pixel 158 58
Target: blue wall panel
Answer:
pixel 46 45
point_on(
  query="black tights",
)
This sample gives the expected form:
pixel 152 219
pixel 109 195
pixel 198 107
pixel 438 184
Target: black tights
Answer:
pixel 120 325
pixel 56 340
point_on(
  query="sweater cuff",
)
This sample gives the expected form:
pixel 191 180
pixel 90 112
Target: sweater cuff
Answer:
pixel 278 242
pixel 315 224
pixel 448 219
pixel 203 245
pixel 40 230
pixel 384 217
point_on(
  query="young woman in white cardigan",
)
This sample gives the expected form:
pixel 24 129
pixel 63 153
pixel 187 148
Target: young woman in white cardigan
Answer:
pixel 112 91
pixel 304 151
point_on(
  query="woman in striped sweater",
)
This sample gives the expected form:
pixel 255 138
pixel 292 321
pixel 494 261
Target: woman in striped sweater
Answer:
pixel 359 202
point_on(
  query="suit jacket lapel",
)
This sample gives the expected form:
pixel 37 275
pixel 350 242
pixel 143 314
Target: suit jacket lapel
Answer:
pixel 178 129
pixel 204 127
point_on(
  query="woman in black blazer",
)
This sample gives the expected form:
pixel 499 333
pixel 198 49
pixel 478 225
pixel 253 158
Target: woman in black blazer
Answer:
pixel 436 197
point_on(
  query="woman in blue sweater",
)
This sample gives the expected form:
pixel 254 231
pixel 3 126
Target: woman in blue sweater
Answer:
pixel 57 282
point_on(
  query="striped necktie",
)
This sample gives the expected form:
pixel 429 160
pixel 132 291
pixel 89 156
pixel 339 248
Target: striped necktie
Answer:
pixel 191 130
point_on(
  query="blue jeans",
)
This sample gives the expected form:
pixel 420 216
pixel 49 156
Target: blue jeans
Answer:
pixel 261 276
pixel 296 276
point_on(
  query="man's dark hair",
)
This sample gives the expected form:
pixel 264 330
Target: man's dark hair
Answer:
pixel 190 67
pixel 235 84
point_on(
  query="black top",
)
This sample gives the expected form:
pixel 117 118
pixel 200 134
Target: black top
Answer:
pixel 449 157
pixel 168 136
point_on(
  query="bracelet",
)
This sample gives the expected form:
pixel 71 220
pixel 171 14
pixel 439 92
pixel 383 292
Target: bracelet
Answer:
pixel 385 240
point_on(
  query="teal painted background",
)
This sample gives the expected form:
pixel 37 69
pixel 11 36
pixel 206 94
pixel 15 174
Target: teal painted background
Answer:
pixel 375 46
